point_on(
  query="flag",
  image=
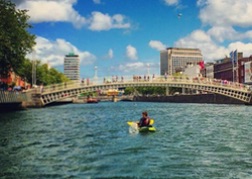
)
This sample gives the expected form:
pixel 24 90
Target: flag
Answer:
pixel 235 56
pixel 201 64
pixel 232 56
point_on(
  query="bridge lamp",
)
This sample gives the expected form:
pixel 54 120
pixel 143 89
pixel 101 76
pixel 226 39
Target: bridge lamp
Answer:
pixel 148 69
pixel 95 74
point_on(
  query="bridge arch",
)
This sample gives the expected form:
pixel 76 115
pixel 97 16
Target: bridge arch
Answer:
pixel 57 92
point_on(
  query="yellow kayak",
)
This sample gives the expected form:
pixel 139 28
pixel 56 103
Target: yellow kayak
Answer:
pixel 149 128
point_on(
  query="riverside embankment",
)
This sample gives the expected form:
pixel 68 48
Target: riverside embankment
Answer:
pixel 14 100
pixel 195 98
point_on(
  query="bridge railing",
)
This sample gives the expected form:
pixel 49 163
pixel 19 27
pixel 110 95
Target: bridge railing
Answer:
pixel 14 97
pixel 142 79
pixel 206 81
pixel 61 86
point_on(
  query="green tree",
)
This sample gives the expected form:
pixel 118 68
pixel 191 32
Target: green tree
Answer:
pixel 15 40
pixel 56 77
pixel 44 75
pixel 151 90
pixel 25 71
pixel 129 91
pixel 145 90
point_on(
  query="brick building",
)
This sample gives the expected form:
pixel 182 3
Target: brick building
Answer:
pixel 224 69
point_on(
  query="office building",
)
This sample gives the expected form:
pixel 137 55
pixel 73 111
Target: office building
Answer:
pixel 72 66
pixel 173 60
pixel 208 71
pixel 225 69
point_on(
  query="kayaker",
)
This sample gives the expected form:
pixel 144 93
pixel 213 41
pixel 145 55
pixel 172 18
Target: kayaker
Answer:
pixel 145 120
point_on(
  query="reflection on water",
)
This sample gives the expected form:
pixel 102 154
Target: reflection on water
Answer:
pixel 93 140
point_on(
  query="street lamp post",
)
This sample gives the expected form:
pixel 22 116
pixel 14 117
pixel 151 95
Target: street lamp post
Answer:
pixel 148 69
pixel 95 74
pixel 33 68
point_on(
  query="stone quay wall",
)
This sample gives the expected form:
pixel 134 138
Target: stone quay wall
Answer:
pixel 196 98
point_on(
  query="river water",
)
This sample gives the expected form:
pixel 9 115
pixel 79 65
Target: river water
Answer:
pixel 93 141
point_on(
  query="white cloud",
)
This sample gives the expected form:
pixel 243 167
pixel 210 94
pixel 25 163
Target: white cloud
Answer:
pixel 138 68
pixel 157 45
pixel 246 48
pixel 63 11
pixel 53 11
pixel 54 52
pixel 131 52
pixel 222 17
pixel 97 1
pixel 211 50
pixel 172 2
pixel 221 34
pixel 100 21
pixel 200 39
pixel 132 67
pixel 226 12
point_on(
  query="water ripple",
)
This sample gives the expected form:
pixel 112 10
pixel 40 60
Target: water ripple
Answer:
pixel 93 141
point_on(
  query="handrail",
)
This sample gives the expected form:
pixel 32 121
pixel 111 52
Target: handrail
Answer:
pixel 14 97
pixel 19 97
pixel 146 79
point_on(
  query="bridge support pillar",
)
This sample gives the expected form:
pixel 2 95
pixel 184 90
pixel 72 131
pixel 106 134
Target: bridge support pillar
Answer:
pixel 167 92
pixel 37 101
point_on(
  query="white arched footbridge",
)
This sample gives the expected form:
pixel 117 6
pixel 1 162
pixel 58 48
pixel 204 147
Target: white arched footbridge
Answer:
pixel 61 91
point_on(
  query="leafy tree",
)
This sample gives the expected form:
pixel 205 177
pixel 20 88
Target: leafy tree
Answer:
pixel 173 90
pixel 15 40
pixel 25 71
pixel 44 75
pixel 145 90
pixel 129 91
pixel 151 90
pixel 56 77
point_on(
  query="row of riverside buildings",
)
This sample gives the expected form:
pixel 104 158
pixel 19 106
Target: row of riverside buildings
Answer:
pixel 175 60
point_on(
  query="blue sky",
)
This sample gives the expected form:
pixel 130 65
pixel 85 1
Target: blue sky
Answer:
pixel 124 37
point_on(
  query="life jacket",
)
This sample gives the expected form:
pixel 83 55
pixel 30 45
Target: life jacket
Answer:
pixel 145 122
